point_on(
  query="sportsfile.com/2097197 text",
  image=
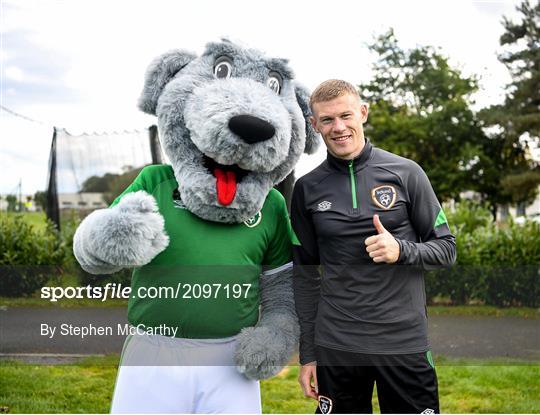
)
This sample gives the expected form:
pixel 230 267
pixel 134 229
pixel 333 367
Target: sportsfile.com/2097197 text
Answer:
pixel 118 291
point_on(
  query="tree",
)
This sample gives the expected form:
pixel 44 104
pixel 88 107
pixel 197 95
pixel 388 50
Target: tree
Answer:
pixel 110 184
pixel 515 125
pixel 98 184
pixel 12 203
pixel 420 109
pixel 41 199
pixel 119 184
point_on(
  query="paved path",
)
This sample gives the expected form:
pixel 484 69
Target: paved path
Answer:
pixel 452 336
pixel 485 337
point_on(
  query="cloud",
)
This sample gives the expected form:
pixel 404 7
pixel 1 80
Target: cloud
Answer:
pixel 80 64
pixel 33 73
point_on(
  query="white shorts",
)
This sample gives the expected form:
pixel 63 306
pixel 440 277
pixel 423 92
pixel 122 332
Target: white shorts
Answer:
pixel 160 374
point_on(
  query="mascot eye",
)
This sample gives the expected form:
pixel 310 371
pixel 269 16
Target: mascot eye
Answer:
pixel 223 68
pixel 274 82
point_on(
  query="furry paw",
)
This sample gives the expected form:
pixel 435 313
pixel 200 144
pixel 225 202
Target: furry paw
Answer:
pixel 129 234
pixel 137 202
pixel 261 352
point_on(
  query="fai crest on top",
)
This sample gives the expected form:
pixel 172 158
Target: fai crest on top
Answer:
pixel 384 196
pixel 325 404
pixel 253 221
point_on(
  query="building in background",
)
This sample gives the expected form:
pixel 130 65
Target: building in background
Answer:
pixel 81 201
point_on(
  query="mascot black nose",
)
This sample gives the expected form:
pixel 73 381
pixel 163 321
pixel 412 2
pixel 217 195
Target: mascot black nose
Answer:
pixel 251 129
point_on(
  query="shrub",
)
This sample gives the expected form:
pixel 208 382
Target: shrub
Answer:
pixel 496 264
pixel 28 257
pixel 510 260
pixel 468 216
pixel 463 281
pixel 69 226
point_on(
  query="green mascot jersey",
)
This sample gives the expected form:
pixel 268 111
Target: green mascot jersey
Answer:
pixel 206 282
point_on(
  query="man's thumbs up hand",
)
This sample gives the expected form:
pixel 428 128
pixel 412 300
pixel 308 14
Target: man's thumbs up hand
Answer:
pixel 382 247
pixel 378 225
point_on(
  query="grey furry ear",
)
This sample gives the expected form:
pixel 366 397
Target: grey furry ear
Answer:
pixel 312 137
pixel 159 72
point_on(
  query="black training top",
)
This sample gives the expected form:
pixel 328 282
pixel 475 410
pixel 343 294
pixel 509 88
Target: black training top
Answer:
pixel 358 305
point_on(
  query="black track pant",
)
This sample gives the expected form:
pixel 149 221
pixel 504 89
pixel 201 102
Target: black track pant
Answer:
pixel 406 383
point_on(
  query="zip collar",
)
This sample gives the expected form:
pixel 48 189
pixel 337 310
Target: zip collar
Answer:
pixel 358 163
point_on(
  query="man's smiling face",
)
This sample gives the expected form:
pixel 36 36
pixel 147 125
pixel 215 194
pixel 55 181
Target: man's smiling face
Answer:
pixel 340 122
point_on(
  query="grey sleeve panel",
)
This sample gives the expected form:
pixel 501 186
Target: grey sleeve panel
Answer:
pixel 437 245
pixel 306 278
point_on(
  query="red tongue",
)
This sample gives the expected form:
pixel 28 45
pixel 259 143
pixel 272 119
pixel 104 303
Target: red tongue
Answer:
pixel 225 186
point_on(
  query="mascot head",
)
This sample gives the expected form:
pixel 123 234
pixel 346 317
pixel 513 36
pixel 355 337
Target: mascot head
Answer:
pixel 233 123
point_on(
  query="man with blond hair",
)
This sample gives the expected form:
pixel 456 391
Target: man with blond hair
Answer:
pixel 367 223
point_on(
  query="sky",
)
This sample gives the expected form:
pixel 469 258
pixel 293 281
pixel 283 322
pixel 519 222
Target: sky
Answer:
pixel 80 64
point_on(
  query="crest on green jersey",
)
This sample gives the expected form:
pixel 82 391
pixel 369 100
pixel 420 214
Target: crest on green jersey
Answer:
pixel 254 220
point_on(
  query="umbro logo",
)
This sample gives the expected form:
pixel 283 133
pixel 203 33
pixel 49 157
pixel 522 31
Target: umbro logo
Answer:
pixel 428 411
pixel 321 207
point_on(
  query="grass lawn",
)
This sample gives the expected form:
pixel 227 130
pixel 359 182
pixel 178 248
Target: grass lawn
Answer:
pixel 464 386
pixel 480 310
pixel 63 303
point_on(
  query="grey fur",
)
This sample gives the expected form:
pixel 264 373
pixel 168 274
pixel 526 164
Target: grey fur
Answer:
pixel 313 139
pixel 263 350
pixel 129 234
pixel 159 72
pixel 193 109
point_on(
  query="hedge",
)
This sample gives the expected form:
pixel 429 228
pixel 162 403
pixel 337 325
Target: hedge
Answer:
pixel 497 264
pixel 28 257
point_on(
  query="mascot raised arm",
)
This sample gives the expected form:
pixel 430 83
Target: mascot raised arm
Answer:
pixel 209 239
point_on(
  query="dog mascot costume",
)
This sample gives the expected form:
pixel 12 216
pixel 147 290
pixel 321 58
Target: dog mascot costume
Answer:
pixel 208 233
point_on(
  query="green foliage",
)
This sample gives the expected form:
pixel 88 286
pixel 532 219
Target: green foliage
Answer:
pixel 468 215
pixel 508 168
pixel 41 199
pixel 110 184
pixel 33 253
pixel 496 264
pixel 28 256
pixel 522 187
pixel 12 203
pixel 513 278
pixel 420 109
pixel 98 184
pixel 523 61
